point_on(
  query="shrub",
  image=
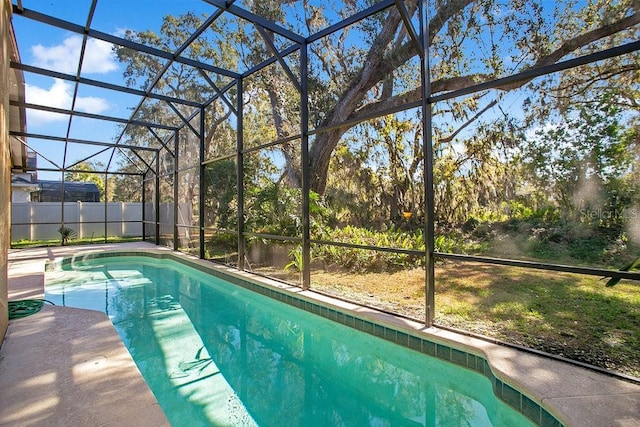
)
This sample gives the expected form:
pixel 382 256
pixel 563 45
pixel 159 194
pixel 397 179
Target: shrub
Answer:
pixel 363 260
pixel 66 233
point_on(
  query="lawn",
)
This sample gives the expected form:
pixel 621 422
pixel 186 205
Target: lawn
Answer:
pixel 570 315
pixel 21 244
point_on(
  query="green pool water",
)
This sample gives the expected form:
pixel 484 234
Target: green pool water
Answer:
pixel 217 354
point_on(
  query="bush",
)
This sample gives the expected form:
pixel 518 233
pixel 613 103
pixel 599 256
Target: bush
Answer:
pixel 66 233
pixel 364 260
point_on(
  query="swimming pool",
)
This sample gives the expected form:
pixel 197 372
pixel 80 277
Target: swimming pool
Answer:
pixel 215 353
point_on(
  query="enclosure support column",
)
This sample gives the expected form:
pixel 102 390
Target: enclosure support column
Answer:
pixel 144 188
pixel 176 141
pixel 106 210
pixel 157 198
pixel 240 177
pixel 427 148
pixel 62 203
pixel 201 184
pixel 304 131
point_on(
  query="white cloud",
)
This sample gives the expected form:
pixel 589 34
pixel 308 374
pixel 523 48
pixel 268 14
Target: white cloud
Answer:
pixel 59 95
pixel 122 32
pixel 91 104
pixel 98 56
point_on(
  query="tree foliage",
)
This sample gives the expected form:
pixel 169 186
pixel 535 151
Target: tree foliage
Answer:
pixel 91 174
pixel 524 147
pixel 584 159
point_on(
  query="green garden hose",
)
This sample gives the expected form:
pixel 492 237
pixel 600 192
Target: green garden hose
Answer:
pixel 24 308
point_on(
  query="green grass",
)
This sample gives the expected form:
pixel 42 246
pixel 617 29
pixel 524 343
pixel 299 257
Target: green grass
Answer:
pixel 570 315
pixel 84 241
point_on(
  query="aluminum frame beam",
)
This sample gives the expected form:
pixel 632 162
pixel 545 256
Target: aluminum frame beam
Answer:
pixel 80 141
pixel 100 84
pixel 75 113
pixel 256 19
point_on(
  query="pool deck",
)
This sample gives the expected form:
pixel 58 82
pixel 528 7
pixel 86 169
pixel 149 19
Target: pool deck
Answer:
pixel 65 366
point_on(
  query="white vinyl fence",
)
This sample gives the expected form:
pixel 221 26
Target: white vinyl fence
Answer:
pixel 41 220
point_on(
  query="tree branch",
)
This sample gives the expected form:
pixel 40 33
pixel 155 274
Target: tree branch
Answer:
pixel 442 85
pixel 577 42
pixel 468 122
pixel 455 83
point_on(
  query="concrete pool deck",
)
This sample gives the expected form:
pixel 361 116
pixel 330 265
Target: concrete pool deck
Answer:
pixel 65 366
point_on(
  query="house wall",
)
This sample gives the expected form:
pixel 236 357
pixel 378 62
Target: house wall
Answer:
pixel 20 195
pixel 5 166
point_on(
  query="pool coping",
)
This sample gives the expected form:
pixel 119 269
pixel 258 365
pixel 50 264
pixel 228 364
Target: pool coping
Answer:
pixel 549 392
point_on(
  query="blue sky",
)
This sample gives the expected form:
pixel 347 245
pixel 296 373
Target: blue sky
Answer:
pixel 51 48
